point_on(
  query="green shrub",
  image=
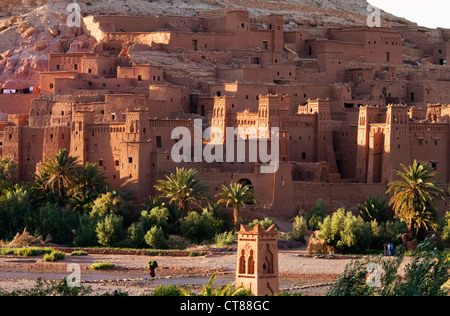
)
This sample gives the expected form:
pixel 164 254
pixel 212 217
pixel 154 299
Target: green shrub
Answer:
pixel 54 256
pixel 49 219
pixel 314 216
pixel 425 275
pixel 14 207
pixel 102 266
pixel 197 254
pixel 109 230
pixel 446 229
pixel 50 288
pixel 198 228
pixel 31 252
pixel 225 239
pixel 299 229
pixel 6 251
pixel 170 290
pixel 79 253
pixel 265 223
pixel 109 203
pixel 136 234
pixel 85 233
pixel 157 216
pixel 345 232
pixel 386 232
pixel 155 238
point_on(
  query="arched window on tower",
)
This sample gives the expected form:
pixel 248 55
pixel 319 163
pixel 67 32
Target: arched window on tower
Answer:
pixel 242 262
pixel 251 263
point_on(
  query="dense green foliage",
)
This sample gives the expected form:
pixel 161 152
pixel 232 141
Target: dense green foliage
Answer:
pixel 72 204
pixel 425 275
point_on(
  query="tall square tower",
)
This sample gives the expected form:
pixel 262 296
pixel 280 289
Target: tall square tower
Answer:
pixel 257 260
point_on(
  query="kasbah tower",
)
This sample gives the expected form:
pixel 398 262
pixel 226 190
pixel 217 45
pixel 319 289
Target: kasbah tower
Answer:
pixel 351 102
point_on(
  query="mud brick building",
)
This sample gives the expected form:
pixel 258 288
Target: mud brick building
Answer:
pixel 351 104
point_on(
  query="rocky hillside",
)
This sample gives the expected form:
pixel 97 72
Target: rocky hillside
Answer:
pixel 31 29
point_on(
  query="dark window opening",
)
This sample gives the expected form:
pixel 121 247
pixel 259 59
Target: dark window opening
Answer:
pixel 158 142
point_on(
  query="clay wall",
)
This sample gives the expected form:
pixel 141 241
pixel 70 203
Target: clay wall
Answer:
pixel 67 62
pixel 283 72
pixel 100 66
pixel 302 138
pixel 441 53
pixel 15 104
pixel 165 100
pixel 246 94
pixel 345 148
pixel 161 133
pixel 247 74
pixel 48 84
pixel 422 93
pixel 103 148
pixel 335 195
pixel 380 45
pixel 429 142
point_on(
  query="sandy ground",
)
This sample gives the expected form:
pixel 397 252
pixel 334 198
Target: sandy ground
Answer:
pixel 298 273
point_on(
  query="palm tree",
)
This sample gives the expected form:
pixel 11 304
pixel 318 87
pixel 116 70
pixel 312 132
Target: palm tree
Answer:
pixel 226 290
pixel 374 208
pixel 183 188
pixel 60 172
pixel 236 195
pixel 414 195
pixel 89 181
pixel 88 184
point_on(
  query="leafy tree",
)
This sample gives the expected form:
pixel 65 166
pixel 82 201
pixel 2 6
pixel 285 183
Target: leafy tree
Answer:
pixel 155 238
pixel 198 227
pixel 316 214
pixel 299 229
pixel 236 195
pixel 414 197
pixel 158 216
pixel 389 231
pixel 85 232
pixel 109 203
pixel 8 175
pixel 374 209
pixel 14 206
pixel 48 219
pixel 265 223
pixel 346 232
pixel 109 229
pixel 136 234
pixel 173 212
pixel 183 188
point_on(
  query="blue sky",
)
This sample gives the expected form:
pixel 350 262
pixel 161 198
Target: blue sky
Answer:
pixel 428 13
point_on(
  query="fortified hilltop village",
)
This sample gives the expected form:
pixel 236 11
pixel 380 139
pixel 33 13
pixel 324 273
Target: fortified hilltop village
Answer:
pixel 351 102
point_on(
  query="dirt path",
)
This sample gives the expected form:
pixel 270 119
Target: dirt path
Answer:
pixel 130 273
